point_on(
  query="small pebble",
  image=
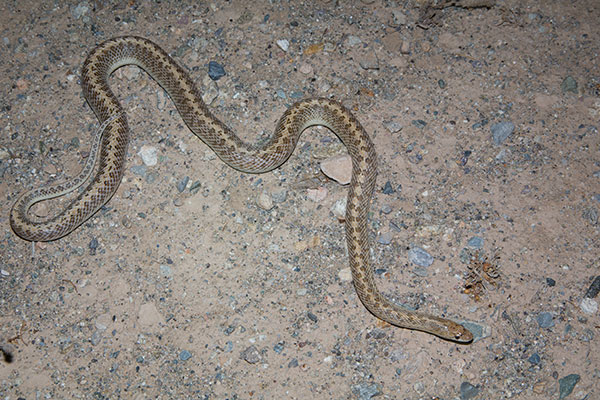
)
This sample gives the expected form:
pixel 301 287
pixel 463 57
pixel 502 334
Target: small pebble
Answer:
pixel 501 131
pixel 229 330
pixel 419 388
pixel 312 317
pixel 317 195
pixel 195 187
pixel 399 17
pixel 545 320
pixel 264 201
pixel 353 40
pixel 419 123
pixel 345 275
pixel 306 69
pixel 366 391
pixel 279 195
pixel 210 90
pixel 468 391
pixel 80 10
pixel 591 215
pixel 339 208
pixel 126 221
pixel 293 363
pixel 251 355
pixel 283 44
pixel 567 384
pixel 392 126
pixel 386 209
pixel 185 355
pixel 420 257
pixel 215 70
pixel 405 47
pixel 534 359
pixel 165 271
pixel 93 246
pixel 569 84
pixel 96 337
pixel 589 306
pixel 181 185
pixel 149 155
pixel 385 238
pixel 475 242
pixel 387 188
pixel 139 170
pixel 278 348
pixel 151 177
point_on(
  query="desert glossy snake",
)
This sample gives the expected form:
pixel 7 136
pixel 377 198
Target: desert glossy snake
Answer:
pixel 110 147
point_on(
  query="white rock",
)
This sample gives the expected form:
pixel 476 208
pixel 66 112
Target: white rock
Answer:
pixel 264 201
pixel 392 126
pixel 345 275
pixel 182 145
pixel 339 208
pixel 306 69
pixel 283 44
pixel 589 306
pixel 354 40
pixel 317 195
pixel 149 155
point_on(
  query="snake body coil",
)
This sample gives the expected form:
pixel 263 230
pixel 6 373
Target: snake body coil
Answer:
pixel 110 148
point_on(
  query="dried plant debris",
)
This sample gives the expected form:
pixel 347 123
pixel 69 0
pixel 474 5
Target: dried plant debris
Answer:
pixel 482 274
pixel 19 336
pixel 430 15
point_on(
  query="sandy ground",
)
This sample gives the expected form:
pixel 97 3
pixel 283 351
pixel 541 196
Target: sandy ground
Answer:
pixel 182 286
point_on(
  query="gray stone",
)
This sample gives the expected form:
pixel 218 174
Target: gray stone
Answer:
pixel 251 355
pixel 567 384
pixel 185 355
pixel 420 257
pixel 545 320
pixel 501 131
pixel 569 84
pixel 366 391
pixel 468 391
pixel 215 70
pixel 475 242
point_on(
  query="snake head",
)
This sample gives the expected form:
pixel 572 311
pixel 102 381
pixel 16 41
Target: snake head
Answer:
pixel 459 333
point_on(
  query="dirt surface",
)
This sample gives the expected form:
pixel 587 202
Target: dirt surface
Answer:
pixel 188 285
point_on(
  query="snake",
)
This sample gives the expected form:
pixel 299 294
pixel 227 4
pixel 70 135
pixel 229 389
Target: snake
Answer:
pixel 105 166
